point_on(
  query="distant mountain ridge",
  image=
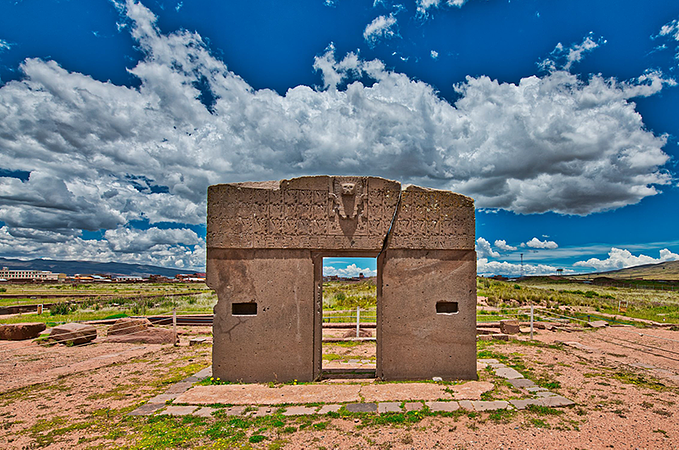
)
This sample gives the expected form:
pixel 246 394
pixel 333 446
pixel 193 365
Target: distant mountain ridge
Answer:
pixel 92 267
pixel 668 270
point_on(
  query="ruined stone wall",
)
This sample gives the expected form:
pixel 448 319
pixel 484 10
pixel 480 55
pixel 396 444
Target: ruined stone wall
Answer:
pixel 265 247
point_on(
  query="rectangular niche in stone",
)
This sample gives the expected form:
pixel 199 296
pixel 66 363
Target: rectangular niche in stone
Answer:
pixel 265 246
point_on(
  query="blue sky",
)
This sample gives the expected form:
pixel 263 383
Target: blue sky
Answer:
pixel 558 117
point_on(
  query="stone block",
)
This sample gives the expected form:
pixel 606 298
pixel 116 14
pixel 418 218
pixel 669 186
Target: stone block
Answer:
pixel 509 327
pixel 73 333
pixel 178 410
pixel 299 411
pixel 414 406
pixel 128 325
pixel 21 331
pixel 508 373
pixel 490 405
pixel 205 412
pixel 147 409
pixel 325 409
pixel 387 407
pixel 443 406
pixel 147 336
pixel 466 404
pixel 556 401
pixel 361 407
pixel 523 404
pixel 521 382
pixel 597 324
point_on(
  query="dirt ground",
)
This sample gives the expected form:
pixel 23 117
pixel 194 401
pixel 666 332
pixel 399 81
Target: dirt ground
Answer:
pixel 624 380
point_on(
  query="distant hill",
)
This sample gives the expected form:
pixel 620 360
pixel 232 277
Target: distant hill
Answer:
pixel 91 267
pixel 662 271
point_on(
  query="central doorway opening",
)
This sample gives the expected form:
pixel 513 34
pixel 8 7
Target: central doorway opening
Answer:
pixel 349 317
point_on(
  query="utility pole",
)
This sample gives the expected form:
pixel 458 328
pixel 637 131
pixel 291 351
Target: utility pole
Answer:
pixel 521 265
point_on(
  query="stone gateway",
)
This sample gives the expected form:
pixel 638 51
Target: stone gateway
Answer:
pixel 265 247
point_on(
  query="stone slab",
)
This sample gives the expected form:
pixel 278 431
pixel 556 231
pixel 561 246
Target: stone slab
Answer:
pixel 299 410
pixel 207 372
pixel 466 404
pixel 490 405
pixel 414 406
pixel 545 394
pixel 470 390
pixel 597 324
pixel 489 361
pixel 261 411
pixel 521 382
pixel 163 398
pixel 178 410
pixel 524 403
pixel 404 391
pixel 536 388
pixel 508 373
pixel 556 401
pixel 325 409
pixel 361 407
pixel 387 407
pixel 21 331
pixel 258 394
pixel 205 412
pixel 147 409
pixel 234 410
pixel 179 388
pixel 443 406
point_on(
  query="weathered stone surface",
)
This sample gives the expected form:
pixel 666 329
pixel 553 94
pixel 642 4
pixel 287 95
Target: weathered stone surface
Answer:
pixel 387 407
pixel 361 407
pixel 597 324
pixel 21 331
pixel 205 412
pixel 257 394
pixel 325 409
pixel 508 373
pixel 523 404
pixel 414 406
pixel 299 410
pixel 443 406
pixel 265 247
pixel 556 401
pixel 509 327
pixel 471 390
pixel 521 382
pixel 73 333
pixel 128 325
pixel 178 410
pixel 148 336
pixel 403 391
pixel 490 406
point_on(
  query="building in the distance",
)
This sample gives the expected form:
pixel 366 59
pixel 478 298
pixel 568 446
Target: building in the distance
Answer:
pixel 27 275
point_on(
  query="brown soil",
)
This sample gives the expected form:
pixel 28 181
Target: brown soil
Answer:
pixel 626 387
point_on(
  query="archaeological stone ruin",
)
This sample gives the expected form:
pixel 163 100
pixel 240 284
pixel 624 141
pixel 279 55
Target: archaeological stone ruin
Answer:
pixel 265 247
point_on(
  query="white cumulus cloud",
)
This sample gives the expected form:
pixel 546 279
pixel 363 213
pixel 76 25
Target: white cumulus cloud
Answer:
pixel 166 248
pixel 622 258
pixel 101 156
pixel 350 271
pixel 423 6
pixel 502 245
pixel 537 243
pixel 486 267
pixel 563 58
pixel 484 250
pixel 434 54
pixel 382 27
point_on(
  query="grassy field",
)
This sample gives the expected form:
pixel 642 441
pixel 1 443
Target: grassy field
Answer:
pixel 108 300
pixel 650 304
